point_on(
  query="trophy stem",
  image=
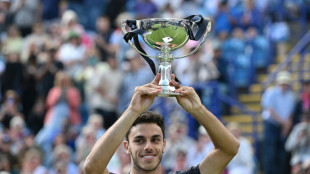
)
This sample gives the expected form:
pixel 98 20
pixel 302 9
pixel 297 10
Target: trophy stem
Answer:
pixel 165 59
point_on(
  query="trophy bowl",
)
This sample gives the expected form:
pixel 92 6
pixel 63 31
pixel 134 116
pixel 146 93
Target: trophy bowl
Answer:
pixel 162 31
pixel 165 35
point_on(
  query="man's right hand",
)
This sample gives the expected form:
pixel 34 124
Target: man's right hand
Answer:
pixel 143 96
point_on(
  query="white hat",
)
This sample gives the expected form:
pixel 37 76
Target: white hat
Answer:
pixel 283 77
pixel 68 16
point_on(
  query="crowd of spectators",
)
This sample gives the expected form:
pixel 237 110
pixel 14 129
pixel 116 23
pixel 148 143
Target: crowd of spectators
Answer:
pixel 67 74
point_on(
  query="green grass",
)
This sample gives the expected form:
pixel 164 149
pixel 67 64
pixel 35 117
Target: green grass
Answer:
pixel 178 34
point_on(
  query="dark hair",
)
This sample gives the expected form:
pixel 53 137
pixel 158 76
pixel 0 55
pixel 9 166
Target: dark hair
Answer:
pixel 149 117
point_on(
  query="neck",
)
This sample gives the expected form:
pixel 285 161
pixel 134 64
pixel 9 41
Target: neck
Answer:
pixel 135 170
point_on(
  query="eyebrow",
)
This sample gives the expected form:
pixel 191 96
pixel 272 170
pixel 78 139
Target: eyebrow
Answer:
pixel 154 136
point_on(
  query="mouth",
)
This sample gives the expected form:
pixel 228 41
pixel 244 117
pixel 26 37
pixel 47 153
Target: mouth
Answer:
pixel 148 156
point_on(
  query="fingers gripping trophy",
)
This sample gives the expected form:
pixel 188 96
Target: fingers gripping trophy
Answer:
pixel 165 35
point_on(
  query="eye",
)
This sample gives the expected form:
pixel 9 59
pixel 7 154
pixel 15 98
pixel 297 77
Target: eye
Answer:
pixel 139 140
pixel 156 140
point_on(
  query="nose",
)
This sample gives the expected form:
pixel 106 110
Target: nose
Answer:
pixel 148 146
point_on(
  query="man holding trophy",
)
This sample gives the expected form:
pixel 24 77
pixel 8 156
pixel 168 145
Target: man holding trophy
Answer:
pixel 144 131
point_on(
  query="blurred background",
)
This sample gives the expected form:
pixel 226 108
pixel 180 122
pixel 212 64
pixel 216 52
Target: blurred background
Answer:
pixel 67 75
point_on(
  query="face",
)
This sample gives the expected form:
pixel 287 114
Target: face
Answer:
pixel 306 88
pixel 146 146
pixel 285 87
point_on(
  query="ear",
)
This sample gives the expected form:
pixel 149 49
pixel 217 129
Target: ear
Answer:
pixel 126 146
pixel 164 146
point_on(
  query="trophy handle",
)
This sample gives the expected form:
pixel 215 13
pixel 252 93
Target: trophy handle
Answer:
pixel 132 24
pixel 208 29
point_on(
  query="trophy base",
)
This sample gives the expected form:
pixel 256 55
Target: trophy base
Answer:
pixel 168 91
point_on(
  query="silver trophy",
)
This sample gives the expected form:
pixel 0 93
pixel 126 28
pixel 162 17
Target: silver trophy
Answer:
pixel 165 35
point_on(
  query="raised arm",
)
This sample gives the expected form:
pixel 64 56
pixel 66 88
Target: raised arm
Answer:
pixel 225 144
pixel 105 147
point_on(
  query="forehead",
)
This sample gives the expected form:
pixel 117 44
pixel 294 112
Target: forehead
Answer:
pixel 145 130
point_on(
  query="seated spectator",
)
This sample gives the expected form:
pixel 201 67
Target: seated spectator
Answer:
pixel 25 14
pixel 298 143
pixel 224 19
pixel 243 162
pixel 32 162
pixel 35 42
pixel 240 61
pixel 250 16
pixel 12 76
pixel 104 92
pixel 144 9
pixel 202 147
pixel 36 117
pixel 46 72
pixel 96 121
pixel 17 133
pixel 136 73
pixel 260 48
pixel 84 143
pixel 179 141
pixel 9 109
pixel 62 158
pixel 9 161
pixel 13 42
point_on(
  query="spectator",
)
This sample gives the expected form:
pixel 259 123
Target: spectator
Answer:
pixel 102 39
pixel 278 32
pixel 260 48
pixel 13 42
pixel 144 9
pixel 63 103
pixel 63 160
pixel 136 73
pixel 96 121
pixel 239 60
pixel 117 40
pixel 85 142
pixel 180 162
pixel 70 23
pixel 278 103
pixel 93 10
pixel 243 162
pixel 54 30
pixel 5 15
pixel 17 133
pixel 32 162
pixel 303 102
pixel 298 143
pixel 73 55
pixel 250 16
pixel 12 76
pixel 46 72
pixel 9 109
pixel 36 117
pixel 50 10
pixel 203 146
pixel 170 12
pixel 10 161
pixel 224 19
pixel 25 14
pixel 35 42
pixel 29 91
pixel 223 78
pixel 179 141
pixel 104 98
